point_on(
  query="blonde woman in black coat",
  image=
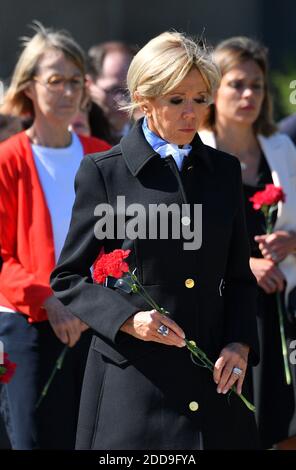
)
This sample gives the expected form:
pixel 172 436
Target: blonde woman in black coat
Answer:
pixel 141 388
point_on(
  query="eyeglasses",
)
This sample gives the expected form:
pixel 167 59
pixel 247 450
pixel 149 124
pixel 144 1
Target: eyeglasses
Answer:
pixel 56 83
pixel 118 94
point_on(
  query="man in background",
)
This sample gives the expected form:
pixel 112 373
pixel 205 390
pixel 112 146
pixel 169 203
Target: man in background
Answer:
pixel 108 64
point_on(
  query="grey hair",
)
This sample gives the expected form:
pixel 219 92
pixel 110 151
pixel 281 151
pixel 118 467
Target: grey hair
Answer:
pixel 15 100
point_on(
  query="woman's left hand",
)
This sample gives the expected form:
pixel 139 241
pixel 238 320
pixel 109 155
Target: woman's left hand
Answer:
pixel 277 245
pixel 234 355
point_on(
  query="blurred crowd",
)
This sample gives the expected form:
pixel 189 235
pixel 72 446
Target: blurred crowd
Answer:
pixel 59 105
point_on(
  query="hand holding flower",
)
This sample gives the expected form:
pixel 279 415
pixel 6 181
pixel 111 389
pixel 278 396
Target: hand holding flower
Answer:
pixel 267 201
pixel 67 328
pixel 144 326
pixel 277 245
pixel 65 325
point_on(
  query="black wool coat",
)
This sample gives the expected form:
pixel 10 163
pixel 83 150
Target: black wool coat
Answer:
pixel 136 394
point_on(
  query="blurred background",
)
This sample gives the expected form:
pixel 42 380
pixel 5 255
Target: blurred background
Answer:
pixel 136 21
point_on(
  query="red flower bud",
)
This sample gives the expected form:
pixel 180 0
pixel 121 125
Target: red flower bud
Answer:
pixel 6 370
pixel 110 264
pixel 270 196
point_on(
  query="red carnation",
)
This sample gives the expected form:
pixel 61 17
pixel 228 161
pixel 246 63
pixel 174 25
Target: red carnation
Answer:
pixel 110 264
pixel 6 370
pixel 270 196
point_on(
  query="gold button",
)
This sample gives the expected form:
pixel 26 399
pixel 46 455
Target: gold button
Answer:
pixel 193 406
pixel 189 283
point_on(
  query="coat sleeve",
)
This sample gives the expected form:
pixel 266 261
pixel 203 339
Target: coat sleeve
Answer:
pixel 240 284
pixel 20 287
pixel 102 308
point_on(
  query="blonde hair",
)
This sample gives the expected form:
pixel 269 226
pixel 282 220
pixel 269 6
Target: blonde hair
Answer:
pixel 161 65
pixel 15 100
pixel 233 52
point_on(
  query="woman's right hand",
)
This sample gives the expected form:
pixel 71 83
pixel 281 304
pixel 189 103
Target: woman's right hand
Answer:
pixel 269 276
pixel 144 326
pixel 66 326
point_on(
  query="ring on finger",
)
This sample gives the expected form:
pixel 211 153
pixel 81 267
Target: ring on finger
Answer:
pixel 237 371
pixel 163 330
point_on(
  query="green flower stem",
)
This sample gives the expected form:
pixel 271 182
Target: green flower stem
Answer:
pixel 283 339
pixel 196 351
pixel 58 366
pixel 137 288
pixel 145 294
pixel 191 346
pixel 269 229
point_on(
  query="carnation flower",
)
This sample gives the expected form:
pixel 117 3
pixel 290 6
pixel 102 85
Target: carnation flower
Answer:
pixel 112 264
pixel 6 370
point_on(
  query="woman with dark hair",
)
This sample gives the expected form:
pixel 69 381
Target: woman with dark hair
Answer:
pixel 240 122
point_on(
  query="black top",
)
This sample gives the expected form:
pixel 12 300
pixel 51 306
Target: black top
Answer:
pixel 124 373
pixel 255 219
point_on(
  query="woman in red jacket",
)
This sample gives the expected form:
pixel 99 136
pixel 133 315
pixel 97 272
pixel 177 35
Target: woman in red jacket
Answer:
pixel 37 169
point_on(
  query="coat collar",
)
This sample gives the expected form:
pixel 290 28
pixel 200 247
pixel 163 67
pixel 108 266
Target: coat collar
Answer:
pixel 137 152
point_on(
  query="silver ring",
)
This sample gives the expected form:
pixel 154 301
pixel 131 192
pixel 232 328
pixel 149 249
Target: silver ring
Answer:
pixel 274 257
pixel 237 371
pixel 163 330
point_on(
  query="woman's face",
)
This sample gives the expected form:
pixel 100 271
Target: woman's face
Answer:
pixel 57 88
pixel 176 116
pixel 240 94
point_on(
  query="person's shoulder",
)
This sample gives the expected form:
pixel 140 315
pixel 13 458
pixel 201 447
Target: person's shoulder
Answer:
pixel 277 139
pixel 288 123
pixel 110 155
pixel 222 160
pixel 14 140
pixel 13 146
pixel 93 144
pixel 217 157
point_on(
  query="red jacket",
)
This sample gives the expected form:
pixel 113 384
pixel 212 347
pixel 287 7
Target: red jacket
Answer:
pixel 26 236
